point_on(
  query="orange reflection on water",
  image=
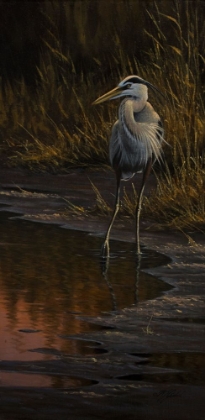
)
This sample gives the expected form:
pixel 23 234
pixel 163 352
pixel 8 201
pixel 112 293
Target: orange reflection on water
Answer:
pixel 49 275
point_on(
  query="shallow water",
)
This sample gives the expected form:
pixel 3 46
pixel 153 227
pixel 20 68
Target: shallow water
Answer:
pixel 50 278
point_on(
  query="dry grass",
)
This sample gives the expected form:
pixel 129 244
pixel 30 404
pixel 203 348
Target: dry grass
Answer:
pixel 56 126
pixel 179 201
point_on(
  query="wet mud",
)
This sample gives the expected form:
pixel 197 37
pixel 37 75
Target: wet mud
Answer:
pixel 145 361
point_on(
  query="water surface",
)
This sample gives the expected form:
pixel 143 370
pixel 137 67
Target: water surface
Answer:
pixel 51 277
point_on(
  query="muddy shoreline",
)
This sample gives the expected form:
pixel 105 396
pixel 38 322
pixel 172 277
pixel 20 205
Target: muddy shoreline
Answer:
pixel 127 380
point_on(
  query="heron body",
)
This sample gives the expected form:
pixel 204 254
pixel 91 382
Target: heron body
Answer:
pixel 136 140
pixel 133 141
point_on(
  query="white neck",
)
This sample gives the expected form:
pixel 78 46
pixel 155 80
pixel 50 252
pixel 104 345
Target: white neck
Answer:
pixel 127 109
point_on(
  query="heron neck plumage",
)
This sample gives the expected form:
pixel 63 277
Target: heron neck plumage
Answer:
pixel 127 110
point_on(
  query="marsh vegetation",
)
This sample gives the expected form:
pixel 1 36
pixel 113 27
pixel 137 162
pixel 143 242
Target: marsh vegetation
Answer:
pixel 47 121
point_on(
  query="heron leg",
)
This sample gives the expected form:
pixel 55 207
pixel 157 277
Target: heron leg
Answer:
pixel 105 248
pixel 139 203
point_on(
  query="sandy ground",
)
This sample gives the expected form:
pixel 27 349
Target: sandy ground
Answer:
pixel 126 384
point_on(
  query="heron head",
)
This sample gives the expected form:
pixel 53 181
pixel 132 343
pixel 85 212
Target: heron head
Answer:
pixel 133 86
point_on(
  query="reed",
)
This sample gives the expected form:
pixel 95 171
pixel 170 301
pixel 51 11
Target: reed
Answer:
pixel 178 201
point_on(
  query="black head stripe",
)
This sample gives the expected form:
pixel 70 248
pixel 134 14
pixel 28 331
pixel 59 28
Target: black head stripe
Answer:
pixel 131 80
pixel 134 79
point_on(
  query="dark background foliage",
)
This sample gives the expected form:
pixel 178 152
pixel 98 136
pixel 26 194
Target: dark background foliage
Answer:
pixel 90 32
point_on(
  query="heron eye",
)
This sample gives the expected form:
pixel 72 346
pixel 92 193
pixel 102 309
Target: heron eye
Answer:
pixel 129 85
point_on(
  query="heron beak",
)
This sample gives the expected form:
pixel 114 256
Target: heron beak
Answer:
pixel 112 94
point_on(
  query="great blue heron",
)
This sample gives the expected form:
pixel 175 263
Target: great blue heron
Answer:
pixel 136 140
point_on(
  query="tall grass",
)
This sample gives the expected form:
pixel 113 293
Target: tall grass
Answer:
pixel 176 67
pixel 179 200
pixel 56 126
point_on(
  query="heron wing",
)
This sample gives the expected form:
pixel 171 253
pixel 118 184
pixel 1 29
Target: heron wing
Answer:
pixel 132 146
pixel 122 154
pixel 115 147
